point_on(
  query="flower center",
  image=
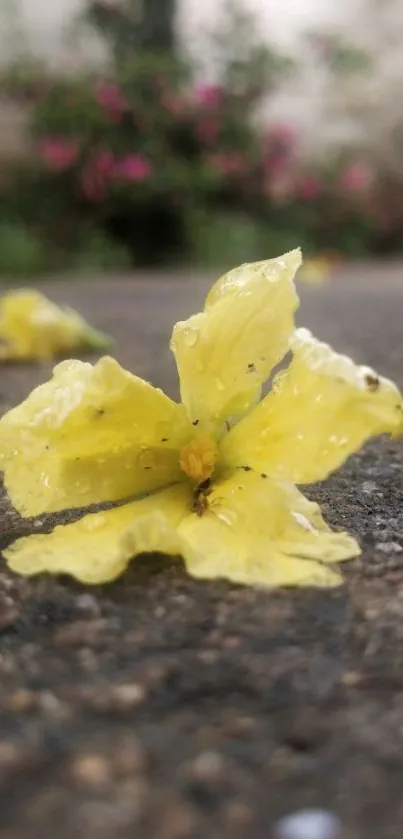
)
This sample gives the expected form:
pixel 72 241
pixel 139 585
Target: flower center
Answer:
pixel 199 457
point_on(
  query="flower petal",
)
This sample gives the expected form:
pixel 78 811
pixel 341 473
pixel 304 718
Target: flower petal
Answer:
pixel 263 532
pixel 226 352
pixel 31 326
pixel 90 434
pixel 323 408
pixel 98 548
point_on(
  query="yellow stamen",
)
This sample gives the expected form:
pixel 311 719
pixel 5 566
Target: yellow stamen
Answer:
pixel 199 457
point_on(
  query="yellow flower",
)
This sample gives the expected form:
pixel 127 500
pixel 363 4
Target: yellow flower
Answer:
pixel 32 327
pixel 211 479
pixel 317 271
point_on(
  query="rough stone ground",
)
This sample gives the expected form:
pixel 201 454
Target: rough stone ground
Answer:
pixel 164 708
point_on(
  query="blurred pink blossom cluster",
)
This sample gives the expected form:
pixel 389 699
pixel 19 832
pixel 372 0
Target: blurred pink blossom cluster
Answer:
pixel 279 162
pixel 59 153
pixel 285 177
pixel 96 174
pixel 288 179
pixel 104 168
pixel 357 177
pixel 111 98
pixel 209 95
pixel 309 187
pixel 209 98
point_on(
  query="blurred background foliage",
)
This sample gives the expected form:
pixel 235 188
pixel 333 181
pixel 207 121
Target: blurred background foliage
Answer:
pixel 144 163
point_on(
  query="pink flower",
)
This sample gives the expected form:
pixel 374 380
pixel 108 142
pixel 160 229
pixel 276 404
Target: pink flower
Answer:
pixel 110 97
pixel 96 174
pixel 282 134
pixel 207 130
pixel 104 162
pixel 92 186
pixel 357 177
pixel 276 163
pixel 133 167
pixel 59 153
pixel 209 95
pixel 309 188
pixel 280 188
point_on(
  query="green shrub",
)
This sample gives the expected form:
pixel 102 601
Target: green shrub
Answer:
pixel 22 254
pixel 99 253
pixel 144 164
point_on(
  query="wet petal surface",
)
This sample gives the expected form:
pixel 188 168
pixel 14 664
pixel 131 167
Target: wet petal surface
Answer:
pixel 90 434
pixel 99 547
pixel 321 410
pixel 261 532
pixel 226 352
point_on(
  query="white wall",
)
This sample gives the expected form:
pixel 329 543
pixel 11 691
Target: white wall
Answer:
pixel 281 19
pixel 43 23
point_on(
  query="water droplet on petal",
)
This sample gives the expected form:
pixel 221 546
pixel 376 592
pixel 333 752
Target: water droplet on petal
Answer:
pixel 303 521
pixel 229 517
pixel 191 336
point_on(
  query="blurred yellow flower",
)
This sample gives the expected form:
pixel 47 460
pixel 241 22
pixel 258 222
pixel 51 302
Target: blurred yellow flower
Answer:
pixel 211 479
pixel 318 270
pixel 32 327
